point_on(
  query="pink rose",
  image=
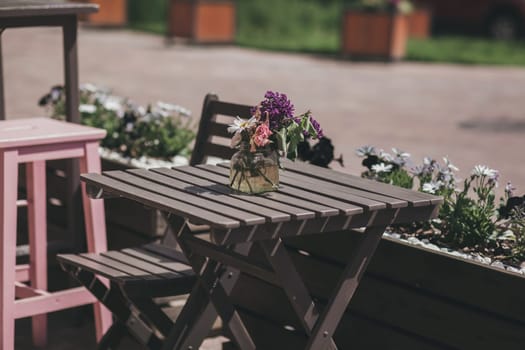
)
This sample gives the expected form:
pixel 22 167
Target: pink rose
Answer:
pixel 261 136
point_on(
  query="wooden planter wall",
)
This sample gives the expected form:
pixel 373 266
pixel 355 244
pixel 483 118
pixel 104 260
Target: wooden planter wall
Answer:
pixel 202 21
pixel 374 35
pixel 410 298
pixel 111 13
pixel 419 23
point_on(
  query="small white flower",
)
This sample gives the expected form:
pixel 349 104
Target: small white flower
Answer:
pixel 141 110
pixel 387 157
pixel 366 151
pixel 449 165
pixel 427 161
pixel 382 168
pixel 483 170
pixel 401 154
pixel 84 108
pixel 240 125
pixel 88 88
pixel 431 187
pixel 113 104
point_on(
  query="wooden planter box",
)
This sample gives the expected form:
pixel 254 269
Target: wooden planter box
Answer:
pixel 202 21
pixel 374 35
pixel 111 13
pixel 410 298
pixel 419 23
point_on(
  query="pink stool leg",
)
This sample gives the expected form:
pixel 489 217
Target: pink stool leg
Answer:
pixel 95 227
pixel 36 205
pixel 8 192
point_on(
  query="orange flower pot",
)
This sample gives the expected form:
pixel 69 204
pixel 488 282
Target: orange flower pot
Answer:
pixel 374 35
pixel 112 13
pixel 419 24
pixel 204 21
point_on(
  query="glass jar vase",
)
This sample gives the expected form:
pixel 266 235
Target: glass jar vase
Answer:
pixel 254 172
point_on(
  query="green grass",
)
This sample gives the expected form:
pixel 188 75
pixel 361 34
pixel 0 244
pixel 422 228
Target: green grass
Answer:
pixel 313 26
pixel 292 25
pixel 148 16
pixel 466 50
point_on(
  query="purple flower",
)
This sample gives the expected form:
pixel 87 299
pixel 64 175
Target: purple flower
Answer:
pixel 317 127
pixel 276 107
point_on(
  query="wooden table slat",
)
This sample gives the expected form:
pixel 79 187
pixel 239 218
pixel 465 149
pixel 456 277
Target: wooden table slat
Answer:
pixel 300 209
pixel 302 194
pixel 117 265
pixel 211 193
pixel 415 197
pixel 92 266
pixel 313 182
pixel 140 264
pixel 194 213
pixel 161 261
pixel 186 197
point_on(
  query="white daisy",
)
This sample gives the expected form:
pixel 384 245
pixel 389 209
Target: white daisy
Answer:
pixel 113 104
pixel 483 170
pixel 449 165
pixel 240 125
pixel 382 168
pixel 401 154
pixel 366 151
pixel 431 187
pixel 85 108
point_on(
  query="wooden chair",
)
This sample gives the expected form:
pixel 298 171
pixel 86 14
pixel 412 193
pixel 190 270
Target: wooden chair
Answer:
pixel 137 275
pixel 215 118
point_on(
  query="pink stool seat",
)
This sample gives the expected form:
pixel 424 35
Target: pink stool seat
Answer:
pixel 34 141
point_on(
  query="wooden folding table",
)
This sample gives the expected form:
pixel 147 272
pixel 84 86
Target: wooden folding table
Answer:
pixel 248 234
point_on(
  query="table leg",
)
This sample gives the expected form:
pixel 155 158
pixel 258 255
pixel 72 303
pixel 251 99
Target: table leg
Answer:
pixel 8 191
pixel 347 285
pixel 36 197
pixel 293 285
pixel 71 86
pixel 212 289
pixel 2 100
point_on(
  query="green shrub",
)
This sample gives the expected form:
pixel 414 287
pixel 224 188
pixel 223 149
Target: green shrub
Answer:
pixel 162 130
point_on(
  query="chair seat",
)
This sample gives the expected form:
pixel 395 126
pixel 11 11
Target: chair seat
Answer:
pixel 149 265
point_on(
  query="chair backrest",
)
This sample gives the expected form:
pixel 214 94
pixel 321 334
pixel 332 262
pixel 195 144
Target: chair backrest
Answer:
pixel 213 138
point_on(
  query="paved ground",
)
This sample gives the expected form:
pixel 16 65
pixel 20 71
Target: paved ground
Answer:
pixel 472 114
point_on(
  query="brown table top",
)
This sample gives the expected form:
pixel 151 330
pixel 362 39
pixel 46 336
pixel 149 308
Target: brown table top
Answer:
pixel 25 8
pixel 202 195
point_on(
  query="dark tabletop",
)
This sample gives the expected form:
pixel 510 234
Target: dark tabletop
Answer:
pixel 201 194
pixel 23 8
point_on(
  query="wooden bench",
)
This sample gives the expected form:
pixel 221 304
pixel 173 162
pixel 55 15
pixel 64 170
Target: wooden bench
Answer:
pixel 137 275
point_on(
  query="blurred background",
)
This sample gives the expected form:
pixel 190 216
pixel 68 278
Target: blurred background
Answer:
pixel 446 80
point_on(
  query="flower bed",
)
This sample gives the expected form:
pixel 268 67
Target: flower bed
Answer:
pixel 470 222
pixel 161 130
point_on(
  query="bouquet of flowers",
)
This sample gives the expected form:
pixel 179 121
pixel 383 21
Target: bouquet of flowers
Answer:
pixel 273 131
pixel 274 125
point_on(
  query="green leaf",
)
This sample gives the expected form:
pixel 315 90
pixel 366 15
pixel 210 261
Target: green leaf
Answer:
pixel 295 136
pixel 282 140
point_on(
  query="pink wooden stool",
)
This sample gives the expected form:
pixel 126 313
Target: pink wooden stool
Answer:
pixel 33 141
